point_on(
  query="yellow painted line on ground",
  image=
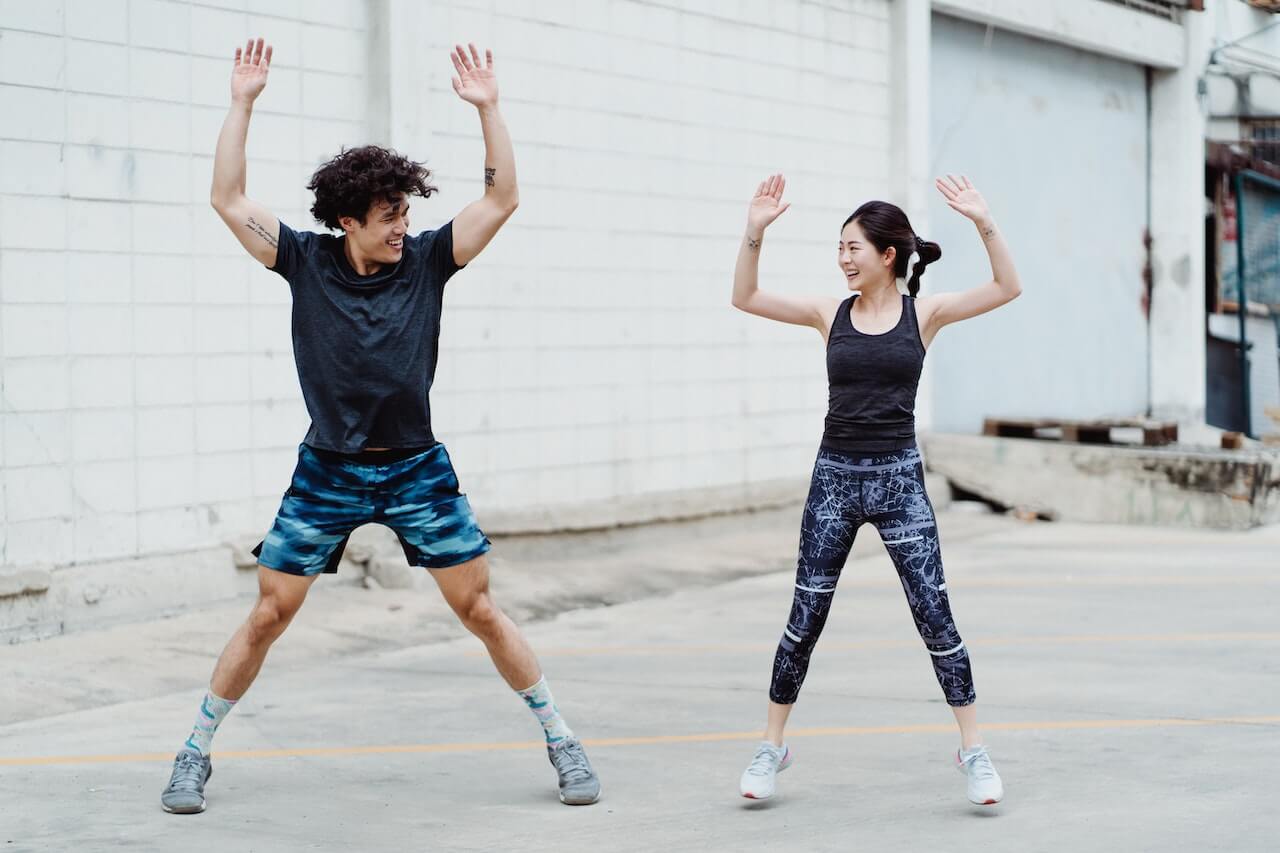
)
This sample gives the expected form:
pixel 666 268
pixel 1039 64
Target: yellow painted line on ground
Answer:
pixel 655 740
pixel 1042 640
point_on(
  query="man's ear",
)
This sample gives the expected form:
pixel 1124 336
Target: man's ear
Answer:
pixel 348 223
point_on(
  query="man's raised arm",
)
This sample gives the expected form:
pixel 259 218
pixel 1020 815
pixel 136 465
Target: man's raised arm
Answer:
pixel 255 227
pixel 475 224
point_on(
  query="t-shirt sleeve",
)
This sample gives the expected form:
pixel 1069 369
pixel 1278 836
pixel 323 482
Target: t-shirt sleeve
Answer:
pixel 437 251
pixel 291 251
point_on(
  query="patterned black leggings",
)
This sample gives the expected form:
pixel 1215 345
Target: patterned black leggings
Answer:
pixel 888 491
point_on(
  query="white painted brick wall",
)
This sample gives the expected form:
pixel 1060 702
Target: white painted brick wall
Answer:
pixel 150 401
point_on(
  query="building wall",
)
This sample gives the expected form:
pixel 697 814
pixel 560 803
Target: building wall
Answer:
pixel 149 398
pixel 150 403
pixel 1055 138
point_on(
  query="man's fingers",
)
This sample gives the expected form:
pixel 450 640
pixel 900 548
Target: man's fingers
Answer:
pixel 457 63
pixel 475 54
pixel 488 58
pixel 266 57
pixel 462 57
pixel 237 56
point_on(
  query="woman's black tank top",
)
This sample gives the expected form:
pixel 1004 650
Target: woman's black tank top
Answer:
pixel 873 381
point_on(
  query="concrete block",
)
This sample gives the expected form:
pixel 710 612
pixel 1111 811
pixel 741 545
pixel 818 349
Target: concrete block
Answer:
pixel 38 492
pixel 221 329
pixel 100 20
pixel 160 177
pixel 33 222
pixel 31 168
pixel 161 380
pixel 162 279
pixel 217 32
pixel 153 124
pixel 1168 486
pixel 102 69
pixel 98 225
pixel 163 330
pixel 161 228
pixel 165 431
pixel 166 483
pixel 101 434
pixel 95 120
pixel 223 477
pixel 35 114
pixel 98 277
pixel 101 382
pixel 160 24
pixel 164 76
pixel 31 59
pixel 36 384
pixel 42 540
pixel 33 330
pixel 100 329
pixel 224 428
pixel 103 536
pixel 36 438
pixel 221 379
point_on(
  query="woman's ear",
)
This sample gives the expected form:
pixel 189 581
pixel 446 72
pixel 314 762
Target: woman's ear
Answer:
pixel 890 255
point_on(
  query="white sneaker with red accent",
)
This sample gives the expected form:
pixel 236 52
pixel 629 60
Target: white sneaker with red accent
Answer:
pixel 985 787
pixel 760 779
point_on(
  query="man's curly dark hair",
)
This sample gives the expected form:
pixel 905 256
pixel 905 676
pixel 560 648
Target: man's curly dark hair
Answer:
pixel 352 181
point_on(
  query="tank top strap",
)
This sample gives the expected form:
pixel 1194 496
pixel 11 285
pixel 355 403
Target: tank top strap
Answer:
pixel 841 324
pixel 913 322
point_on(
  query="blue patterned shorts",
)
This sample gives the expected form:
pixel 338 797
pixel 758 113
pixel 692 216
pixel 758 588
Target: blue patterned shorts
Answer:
pixel 417 497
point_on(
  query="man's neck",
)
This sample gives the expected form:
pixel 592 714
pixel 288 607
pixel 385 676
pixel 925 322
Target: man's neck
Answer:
pixel 359 264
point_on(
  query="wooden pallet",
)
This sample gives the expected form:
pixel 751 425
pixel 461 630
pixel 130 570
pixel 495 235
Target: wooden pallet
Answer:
pixel 1154 433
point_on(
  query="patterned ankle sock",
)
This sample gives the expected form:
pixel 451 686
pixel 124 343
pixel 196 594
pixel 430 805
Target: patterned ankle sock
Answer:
pixel 543 704
pixel 212 710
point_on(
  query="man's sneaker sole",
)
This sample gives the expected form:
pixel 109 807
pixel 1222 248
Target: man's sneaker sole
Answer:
pixel 184 811
pixel 577 801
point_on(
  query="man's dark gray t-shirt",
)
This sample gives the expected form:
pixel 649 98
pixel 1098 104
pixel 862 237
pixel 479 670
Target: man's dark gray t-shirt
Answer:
pixel 366 346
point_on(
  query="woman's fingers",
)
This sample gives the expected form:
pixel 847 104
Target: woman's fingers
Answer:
pixel 266 57
pixel 475 55
pixel 462 57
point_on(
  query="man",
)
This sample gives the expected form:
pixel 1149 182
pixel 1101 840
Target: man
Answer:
pixel 366 322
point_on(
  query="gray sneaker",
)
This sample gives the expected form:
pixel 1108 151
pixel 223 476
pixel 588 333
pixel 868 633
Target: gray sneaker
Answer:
pixel 579 785
pixel 185 793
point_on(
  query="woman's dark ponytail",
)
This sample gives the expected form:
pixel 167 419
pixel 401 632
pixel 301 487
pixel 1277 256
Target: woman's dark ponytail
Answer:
pixel 928 253
pixel 886 225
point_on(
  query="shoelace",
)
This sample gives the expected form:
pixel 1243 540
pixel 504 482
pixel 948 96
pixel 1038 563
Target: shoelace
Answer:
pixel 187 771
pixel 980 766
pixel 571 762
pixel 764 763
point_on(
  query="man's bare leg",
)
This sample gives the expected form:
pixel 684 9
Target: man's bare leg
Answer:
pixel 466 588
pixel 280 595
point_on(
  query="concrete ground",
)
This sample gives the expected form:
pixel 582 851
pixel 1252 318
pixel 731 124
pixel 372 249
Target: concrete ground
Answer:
pixel 1128 679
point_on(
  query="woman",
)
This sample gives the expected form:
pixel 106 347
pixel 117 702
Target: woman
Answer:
pixel 868 467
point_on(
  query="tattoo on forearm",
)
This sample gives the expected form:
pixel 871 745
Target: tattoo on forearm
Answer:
pixel 753 244
pixel 488 176
pixel 988 232
pixel 256 227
